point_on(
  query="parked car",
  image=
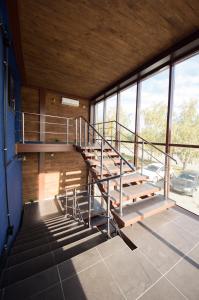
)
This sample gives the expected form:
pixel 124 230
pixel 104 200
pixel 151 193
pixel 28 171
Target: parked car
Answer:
pixel 187 182
pixel 155 172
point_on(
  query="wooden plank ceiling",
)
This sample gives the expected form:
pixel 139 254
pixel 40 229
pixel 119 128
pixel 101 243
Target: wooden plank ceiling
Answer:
pixel 82 46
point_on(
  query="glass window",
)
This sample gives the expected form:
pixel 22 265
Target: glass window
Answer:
pixel 153 112
pixel 111 107
pixel 185 120
pixel 99 110
pixel 99 115
pixel 184 185
pixel 128 107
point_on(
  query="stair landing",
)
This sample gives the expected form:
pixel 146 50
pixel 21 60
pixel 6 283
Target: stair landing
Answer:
pixel 135 212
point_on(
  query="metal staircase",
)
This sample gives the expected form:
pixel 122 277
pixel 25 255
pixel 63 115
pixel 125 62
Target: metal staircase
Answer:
pixel 115 157
pixel 128 193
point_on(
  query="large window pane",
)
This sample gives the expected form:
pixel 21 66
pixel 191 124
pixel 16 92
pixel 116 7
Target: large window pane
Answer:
pixel 153 113
pixel 99 109
pixel 110 115
pixel 128 107
pixel 185 119
pixel 99 115
pixel 185 181
pixel 111 105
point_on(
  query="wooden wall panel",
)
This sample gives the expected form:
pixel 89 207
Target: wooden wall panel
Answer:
pixel 54 107
pixel 30 177
pixel 59 170
pixel 30 103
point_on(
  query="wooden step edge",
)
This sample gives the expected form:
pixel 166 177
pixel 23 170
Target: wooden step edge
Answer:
pixel 122 223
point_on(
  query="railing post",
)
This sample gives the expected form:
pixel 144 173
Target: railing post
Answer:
pixel 80 131
pixel 101 160
pixel 76 132
pixel 108 209
pixel 142 159
pixel 23 131
pixel 85 126
pixel 66 205
pixel 67 125
pixel 166 178
pixel 89 206
pixel 88 134
pixel 74 202
pixel 121 187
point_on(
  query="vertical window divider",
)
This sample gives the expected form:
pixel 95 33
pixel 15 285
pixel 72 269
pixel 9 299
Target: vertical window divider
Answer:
pixel 169 127
pixel 137 123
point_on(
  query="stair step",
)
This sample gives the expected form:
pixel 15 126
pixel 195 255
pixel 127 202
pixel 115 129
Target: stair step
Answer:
pixel 106 154
pixel 47 260
pixel 36 224
pixel 27 231
pixel 113 170
pixel 127 179
pixel 33 285
pixel 133 191
pixel 106 161
pixel 46 240
pixel 44 234
pixel 138 211
pixel 30 253
pixel 96 147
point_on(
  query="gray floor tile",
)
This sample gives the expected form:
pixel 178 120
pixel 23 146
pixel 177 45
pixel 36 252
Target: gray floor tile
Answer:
pixel 78 263
pixel 185 275
pixel 159 250
pixel 176 237
pixel 28 268
pixel 194 254
pixel 30 286
pixel 162 290
pixel 53 293
pixel 94 283
pixel 132 271
pixel 188 223
pixel 159 220
pixel 111 246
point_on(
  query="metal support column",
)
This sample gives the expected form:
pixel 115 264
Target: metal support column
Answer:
pixel 108 209
pixel 121 187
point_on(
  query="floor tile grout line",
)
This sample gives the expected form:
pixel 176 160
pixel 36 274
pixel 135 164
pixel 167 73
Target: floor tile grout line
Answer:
pixel 181 258
pixel 185 230
pixel 43 290
pixel 164 274
pixel 60 282
pixel 117 283
pixel 85 269
pixel 176 287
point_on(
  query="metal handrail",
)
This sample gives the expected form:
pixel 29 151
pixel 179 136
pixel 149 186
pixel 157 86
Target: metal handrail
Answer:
pixel 105 141
pixel 104 194
pixel 122 142
pixel 44 115
pixel 138 136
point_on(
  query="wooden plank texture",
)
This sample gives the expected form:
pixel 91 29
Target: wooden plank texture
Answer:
pixel 81 47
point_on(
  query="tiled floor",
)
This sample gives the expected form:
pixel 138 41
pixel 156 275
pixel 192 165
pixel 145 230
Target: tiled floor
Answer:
pixel 165 265
pixel 170 242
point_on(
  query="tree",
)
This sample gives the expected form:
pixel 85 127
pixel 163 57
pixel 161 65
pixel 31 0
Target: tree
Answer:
pixel 185 128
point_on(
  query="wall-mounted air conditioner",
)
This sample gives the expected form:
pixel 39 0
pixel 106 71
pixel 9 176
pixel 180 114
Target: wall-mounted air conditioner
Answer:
pixel 70 102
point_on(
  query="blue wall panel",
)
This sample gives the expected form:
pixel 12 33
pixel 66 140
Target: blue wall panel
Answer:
pixel 13 167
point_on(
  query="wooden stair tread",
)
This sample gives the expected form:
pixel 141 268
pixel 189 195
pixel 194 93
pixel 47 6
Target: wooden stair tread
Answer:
pixel 106 161
pixel 106 154
pixel 114 170
pixel 137 211
pixel 134 191
pixel 131 178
